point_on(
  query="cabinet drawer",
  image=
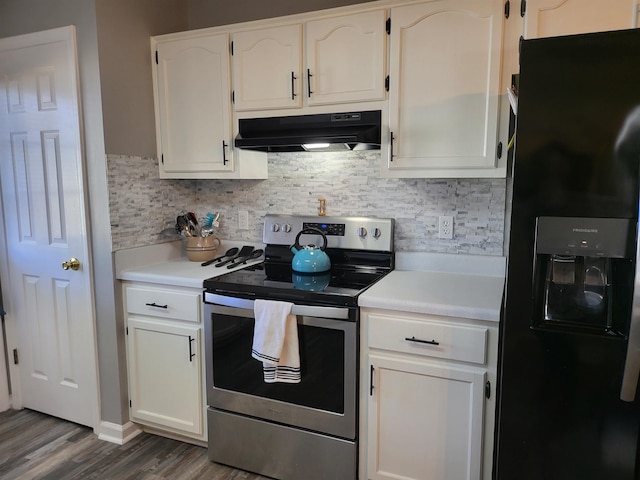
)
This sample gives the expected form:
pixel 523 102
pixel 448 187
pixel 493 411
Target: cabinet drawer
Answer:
pixel 465 343
pixel 164 303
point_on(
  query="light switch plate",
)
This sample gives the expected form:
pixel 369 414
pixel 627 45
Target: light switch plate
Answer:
pixel 243 220
pixel 445 227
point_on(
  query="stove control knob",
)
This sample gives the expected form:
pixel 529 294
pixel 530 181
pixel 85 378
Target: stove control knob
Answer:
pixel 286 228
pixel 376 232
pixel 362 232
pixel 275 227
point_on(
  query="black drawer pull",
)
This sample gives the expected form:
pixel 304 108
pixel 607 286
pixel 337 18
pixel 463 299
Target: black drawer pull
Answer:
pixel 293 86
pixel 191 354
pixel 371 380
pixel 154 304
pixel 417 340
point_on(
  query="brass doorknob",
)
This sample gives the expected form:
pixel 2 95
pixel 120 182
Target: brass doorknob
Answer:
pixel 72 263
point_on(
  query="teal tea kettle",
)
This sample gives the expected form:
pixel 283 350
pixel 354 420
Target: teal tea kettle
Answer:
pixel 310 259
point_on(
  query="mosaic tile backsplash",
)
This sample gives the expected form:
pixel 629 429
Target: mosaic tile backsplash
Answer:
pixel 142 204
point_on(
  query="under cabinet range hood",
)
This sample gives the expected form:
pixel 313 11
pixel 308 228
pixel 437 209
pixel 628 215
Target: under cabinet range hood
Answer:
pixel 318 132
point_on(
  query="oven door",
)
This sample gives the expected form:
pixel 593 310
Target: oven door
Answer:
pixel 325 399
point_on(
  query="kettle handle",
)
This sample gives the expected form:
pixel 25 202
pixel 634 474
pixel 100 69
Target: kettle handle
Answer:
pixel 312 231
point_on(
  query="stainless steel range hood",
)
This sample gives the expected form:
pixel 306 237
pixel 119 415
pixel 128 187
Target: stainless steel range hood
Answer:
pixel 319 132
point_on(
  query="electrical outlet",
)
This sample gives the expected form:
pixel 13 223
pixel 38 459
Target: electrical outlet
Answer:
pixel 243 220
pixel 445 227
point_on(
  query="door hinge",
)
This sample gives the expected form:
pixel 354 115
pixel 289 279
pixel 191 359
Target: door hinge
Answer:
pixel 130 404
pixel 156 57
pixel 386 83
pixel 15 356
pixel 507 8
pixel 389 26
pixel 499 150
pixel 162 158
pixel 233 96
pixel 126 330
pixel 231 48
pixel 523 7
pixel 487 389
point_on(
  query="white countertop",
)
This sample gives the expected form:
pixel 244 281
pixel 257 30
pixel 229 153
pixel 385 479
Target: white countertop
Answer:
pixel 165 264
pixel 466 286
pixel 455 285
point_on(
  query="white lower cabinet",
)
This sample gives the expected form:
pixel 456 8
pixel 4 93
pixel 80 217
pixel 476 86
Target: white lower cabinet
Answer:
pixel 164 358
pixel 424 397
pixel 425 420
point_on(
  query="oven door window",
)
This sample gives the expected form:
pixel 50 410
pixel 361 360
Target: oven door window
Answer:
pixel 322 362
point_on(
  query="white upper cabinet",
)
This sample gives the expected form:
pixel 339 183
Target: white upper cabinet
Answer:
pixel 346 58
pixel 344 62
pixel 550 18
pixel 193 108
pixel 267 65
pixel 444 97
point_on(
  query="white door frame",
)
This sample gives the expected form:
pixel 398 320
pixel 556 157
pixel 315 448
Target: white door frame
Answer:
pixel 5 400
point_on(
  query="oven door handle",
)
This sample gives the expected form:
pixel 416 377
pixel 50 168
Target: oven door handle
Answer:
pixel 303 310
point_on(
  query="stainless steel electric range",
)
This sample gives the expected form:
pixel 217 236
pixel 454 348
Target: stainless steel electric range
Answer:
pixel 309 429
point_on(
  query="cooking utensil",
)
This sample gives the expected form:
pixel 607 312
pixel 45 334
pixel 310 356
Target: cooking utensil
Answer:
pixel 182 225
pixel 244 252
pixel 192 222
pixel 239 260
pixel 229 253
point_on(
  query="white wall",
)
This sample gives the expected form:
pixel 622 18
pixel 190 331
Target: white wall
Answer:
pixel 211 13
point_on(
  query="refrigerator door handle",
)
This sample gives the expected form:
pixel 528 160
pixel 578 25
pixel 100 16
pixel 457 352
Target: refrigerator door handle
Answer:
pixel 632 362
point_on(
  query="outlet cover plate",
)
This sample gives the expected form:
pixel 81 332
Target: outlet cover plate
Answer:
pixel 445 227
pixel 243 220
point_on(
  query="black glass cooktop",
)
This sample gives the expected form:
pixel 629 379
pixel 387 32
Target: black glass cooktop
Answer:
pixel 352 272
pixel 278 282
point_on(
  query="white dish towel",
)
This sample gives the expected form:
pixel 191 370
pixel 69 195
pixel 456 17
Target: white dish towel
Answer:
pixel 275 341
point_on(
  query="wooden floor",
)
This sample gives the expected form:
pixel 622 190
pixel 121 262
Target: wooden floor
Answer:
pixel 36 446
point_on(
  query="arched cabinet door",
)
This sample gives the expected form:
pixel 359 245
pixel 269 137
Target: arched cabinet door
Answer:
pixel 445 86
pixel 346 58
pixel 551 18
pixel 267 66
pixel 193 107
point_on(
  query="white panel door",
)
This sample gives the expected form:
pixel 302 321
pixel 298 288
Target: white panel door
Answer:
pixel 44 211
pixel 346 58
pixel 267 66
pixel 550 18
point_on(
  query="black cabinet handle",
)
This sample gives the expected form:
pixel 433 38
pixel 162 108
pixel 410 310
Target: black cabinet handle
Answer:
pixel 309 82
pixel 417 340
pixel 224 153
pixel 391 145
pixel 191 354
pixel 371 381
pixel 293 86
pixel 154 304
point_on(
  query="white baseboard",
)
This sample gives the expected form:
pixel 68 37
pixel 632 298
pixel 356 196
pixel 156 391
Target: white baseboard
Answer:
pixel 114 433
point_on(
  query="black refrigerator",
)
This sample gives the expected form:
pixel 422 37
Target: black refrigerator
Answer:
pixel 567 403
